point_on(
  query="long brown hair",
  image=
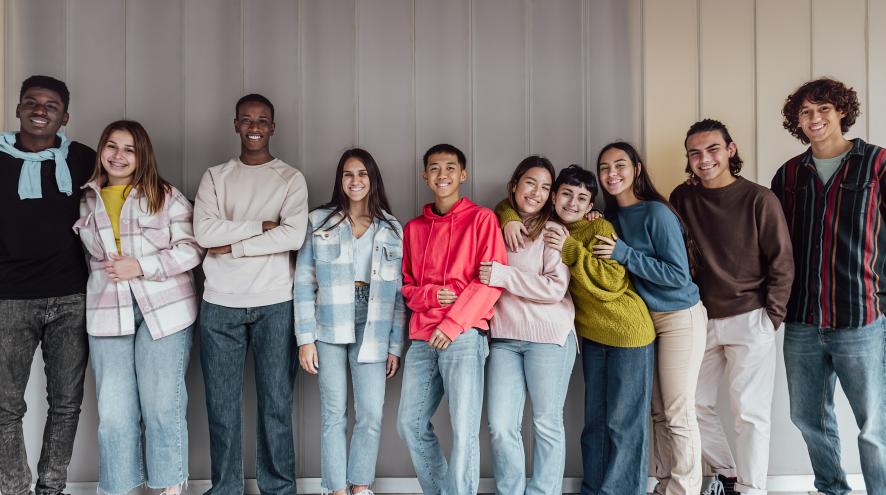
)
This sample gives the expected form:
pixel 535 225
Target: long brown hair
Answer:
pixel 147 180
pixel 645 190
pixel 534 223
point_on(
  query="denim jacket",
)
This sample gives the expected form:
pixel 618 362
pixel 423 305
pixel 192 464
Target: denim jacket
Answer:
pixel 324 288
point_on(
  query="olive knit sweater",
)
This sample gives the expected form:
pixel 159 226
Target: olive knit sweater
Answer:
pixel 607 308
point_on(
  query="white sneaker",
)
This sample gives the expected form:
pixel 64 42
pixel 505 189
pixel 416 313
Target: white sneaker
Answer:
pixel 365 491
pixel 715 488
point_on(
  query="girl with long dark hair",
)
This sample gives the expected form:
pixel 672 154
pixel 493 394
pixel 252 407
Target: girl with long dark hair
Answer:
pixel 651 245
pixel 349 314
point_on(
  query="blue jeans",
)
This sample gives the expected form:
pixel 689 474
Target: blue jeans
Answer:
pixel 58 326
pixel 457 370
pixel 225 334
pixel 614 441
pixel 338 467
pixel 138 378
pixel 543 369
pixel 814 358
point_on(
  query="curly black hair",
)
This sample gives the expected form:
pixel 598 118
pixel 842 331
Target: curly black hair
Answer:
pixel 824 90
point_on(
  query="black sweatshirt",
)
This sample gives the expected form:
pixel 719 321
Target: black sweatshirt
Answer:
pixel 40 256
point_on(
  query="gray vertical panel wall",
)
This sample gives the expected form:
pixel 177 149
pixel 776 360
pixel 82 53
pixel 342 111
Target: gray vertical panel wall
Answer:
pixel 498 78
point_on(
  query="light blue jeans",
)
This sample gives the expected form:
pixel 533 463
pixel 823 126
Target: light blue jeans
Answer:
pixel 338 467
pixel 138 379
pixel 516 366
pixel 427 374
pixel 814 358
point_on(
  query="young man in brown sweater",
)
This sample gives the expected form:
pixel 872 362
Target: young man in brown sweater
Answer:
pixel 745 273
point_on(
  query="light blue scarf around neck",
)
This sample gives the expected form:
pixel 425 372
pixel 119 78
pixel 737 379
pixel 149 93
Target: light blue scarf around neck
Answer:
pixel 29 184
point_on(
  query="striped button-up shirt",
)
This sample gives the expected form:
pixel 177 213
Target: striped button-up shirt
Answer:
pixel 838 239
pixel 163 244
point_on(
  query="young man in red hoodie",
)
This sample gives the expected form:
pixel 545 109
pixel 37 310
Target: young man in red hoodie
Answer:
pixel 442 251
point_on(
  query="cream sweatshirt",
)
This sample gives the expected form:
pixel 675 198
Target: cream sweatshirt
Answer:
pixel 232 202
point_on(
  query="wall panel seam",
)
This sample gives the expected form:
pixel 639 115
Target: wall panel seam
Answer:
pixel 527 78
pixel 356 62
pixel 415 205
pixel 644 139
pixel 867 68
pixel 472 89
pixel 186 180
pixel 699 71
pixel 585 96
pixel 4 56
pixel 125 58
pixel 242 47
pixel 67 37
pixel 811 39
pixel 754 111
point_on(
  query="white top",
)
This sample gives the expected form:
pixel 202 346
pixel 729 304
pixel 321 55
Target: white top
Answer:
pixel 232 202
pixel 363 255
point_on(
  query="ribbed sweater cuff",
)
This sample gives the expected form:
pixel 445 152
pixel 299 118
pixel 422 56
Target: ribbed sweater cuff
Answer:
pixel 571 248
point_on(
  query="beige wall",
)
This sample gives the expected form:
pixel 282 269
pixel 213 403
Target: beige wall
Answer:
pixel 737 60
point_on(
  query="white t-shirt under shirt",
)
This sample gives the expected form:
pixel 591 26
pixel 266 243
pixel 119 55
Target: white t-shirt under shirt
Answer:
pixel 232 202
pixel 363 255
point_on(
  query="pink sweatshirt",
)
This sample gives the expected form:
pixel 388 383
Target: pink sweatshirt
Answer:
pixel 446 251
pixel 535 305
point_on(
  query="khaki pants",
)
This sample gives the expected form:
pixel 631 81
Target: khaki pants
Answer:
pixel 743 348
pixel 679 348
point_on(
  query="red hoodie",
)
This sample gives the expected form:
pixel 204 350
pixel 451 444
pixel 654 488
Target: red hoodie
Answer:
pixel 446 251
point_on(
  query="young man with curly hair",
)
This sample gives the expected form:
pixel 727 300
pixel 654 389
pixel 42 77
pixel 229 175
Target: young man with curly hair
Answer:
pixel 832 196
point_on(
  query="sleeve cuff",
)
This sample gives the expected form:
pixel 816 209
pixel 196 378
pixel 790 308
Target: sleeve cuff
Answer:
pixel 150 266
pixel 238 250
pixel 620 253
pixel 571 247
pixel 305 338
pixel 498 274
pixel 450 328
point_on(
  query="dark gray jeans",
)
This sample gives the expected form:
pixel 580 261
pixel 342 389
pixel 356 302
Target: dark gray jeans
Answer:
pixel 58 324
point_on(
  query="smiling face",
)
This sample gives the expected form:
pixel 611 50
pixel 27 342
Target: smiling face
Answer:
pixel 532 191
pixel 820 122
pixel 41 114
pixel 355 180
pixel 444 174
pixel 118 158
pixel 617 173
pixel 572 203
pixel 255 126
pixel 709 156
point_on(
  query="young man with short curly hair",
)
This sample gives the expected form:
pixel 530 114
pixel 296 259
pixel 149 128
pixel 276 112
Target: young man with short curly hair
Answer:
pixel 832 196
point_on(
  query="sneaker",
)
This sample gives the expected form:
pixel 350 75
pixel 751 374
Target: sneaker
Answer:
pixel 365 491
pixel 715 488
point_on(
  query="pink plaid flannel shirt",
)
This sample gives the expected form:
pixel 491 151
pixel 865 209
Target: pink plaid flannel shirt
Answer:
pixel 165 247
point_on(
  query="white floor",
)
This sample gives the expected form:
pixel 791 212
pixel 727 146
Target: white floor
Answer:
pixel 778 485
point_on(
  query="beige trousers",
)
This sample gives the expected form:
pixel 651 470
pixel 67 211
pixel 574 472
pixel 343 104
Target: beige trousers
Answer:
pixel 679 349
pixel 742 347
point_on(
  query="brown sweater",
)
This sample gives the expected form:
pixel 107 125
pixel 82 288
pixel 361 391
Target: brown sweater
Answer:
pixel 746 260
